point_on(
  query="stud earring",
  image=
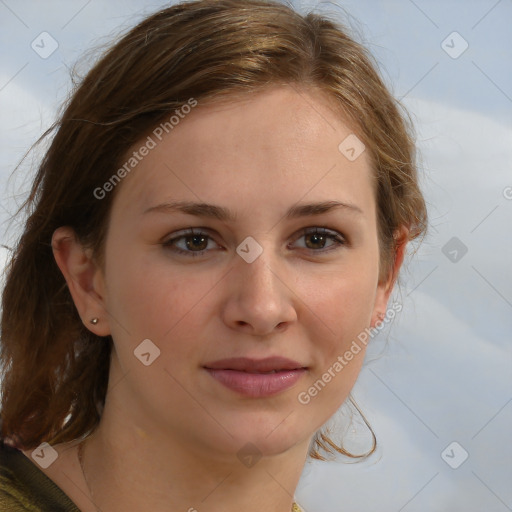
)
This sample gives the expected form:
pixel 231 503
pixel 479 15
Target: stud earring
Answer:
pixel 94 321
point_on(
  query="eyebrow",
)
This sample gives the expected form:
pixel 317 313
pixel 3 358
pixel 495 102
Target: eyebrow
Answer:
pixel 224 214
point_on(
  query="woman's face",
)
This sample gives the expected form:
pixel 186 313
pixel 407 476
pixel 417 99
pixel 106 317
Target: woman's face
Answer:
pixel 269 279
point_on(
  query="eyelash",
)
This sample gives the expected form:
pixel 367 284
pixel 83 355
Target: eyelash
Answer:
pixel 331 235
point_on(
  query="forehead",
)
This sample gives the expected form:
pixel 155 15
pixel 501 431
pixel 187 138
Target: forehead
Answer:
pixel 275 146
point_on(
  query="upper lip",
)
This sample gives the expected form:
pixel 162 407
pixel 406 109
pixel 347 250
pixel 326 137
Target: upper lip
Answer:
pixel 246 364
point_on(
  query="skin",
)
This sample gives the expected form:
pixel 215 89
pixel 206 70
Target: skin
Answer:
pixel 170 433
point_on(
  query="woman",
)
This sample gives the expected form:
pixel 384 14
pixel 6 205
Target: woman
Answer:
pixel 224 209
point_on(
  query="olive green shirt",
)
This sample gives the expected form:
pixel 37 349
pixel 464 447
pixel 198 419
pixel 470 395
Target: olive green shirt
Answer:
pixel 25 488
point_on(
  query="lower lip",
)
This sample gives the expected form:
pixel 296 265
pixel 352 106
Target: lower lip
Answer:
pixel 257 385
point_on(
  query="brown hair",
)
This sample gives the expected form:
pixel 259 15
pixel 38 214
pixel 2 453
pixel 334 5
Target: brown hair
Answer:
pixel 56 370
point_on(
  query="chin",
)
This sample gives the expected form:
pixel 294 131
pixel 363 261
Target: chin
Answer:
pixel 261 434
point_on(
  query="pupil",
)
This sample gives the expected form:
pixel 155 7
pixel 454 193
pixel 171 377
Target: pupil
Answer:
pixel 316 238
pixel 196 239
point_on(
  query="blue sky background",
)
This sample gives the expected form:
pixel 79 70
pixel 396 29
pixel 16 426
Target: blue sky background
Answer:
pixel 443 372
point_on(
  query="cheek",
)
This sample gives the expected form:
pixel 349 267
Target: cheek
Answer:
pixel 345 305
pixel 149 299
pixel 342 312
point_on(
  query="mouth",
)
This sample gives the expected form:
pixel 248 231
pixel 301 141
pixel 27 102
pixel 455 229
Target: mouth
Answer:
pixel 256 378
pixel 245 364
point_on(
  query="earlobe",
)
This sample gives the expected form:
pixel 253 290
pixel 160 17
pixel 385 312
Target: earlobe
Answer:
pixel 83 278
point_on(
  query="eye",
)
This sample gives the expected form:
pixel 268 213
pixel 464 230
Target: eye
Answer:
pixel 195 242
pixel 317 238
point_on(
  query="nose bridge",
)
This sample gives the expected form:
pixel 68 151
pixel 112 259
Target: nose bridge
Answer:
pixel 255 271
pixel 259 296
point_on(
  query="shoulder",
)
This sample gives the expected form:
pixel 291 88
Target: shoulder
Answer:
pixel 25 488
pixel 13 496
pixel 10 502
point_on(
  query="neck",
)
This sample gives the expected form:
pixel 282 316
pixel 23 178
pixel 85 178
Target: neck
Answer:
pixel 127 468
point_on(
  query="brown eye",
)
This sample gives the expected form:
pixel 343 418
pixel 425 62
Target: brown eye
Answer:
pixel 195 243
pixel 199 242
pixel 317 238
pixel 192 243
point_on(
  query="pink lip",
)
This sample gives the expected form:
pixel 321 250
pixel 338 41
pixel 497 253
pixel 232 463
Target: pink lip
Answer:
pixel 246 376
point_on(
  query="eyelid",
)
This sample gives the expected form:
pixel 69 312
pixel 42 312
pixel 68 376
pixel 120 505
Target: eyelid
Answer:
pixel 191 231
pixel 167 241
pixel 339 239
pixel 322 230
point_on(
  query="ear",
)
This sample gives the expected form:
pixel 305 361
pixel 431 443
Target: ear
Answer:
pixel 386 286
pixel 84 278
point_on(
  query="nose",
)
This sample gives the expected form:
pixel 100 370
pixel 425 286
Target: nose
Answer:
pixel 259 298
